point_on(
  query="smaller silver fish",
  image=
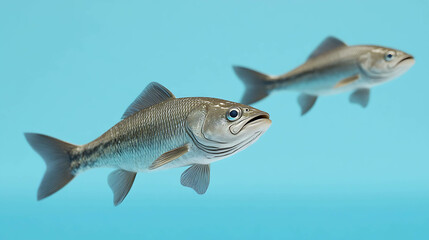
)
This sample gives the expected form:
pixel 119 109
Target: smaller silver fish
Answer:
pixel 158 131
pixel 332 68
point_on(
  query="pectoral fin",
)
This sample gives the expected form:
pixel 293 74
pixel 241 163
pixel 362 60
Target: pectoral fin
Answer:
pixel 347 81
pixel 196 177
pixel 120 181
pixel 360 96
pixel 169 156
pixel 306 102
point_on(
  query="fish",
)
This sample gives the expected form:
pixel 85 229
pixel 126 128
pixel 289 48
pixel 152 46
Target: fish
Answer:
pixel 332 68
pixel 158 131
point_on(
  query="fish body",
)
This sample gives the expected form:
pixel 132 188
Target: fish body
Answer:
pixel 332 68
pixel 137 141
pixel 158 131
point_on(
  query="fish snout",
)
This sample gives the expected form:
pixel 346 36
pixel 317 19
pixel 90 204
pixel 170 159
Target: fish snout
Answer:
pixel 258 120
pixel 261 118
pixel 407 61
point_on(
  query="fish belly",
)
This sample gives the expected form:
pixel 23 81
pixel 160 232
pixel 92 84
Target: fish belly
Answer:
pixel 323 84
pixel 138 155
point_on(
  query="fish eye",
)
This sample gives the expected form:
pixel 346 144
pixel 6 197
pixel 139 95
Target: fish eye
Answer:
pixel 389 56
pixel 233 114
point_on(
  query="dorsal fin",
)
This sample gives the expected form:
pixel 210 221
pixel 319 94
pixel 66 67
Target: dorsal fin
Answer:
pixel 153 94
pixel 328 44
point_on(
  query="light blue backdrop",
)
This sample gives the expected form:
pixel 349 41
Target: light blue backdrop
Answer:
pixel 70 69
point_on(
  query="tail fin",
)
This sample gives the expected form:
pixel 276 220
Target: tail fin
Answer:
pixel 58 165
pixel 256 84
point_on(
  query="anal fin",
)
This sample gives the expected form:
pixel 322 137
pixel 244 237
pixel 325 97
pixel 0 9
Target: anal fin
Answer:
pixel 120 181
pixel 169 156
pixel 196 177
pixel 306 102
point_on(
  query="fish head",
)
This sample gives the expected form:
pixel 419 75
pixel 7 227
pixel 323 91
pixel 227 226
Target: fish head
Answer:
pixel 230 122
pixel 382 64
pixel 222 128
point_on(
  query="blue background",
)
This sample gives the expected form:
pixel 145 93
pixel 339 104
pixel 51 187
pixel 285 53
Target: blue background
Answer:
pixel 69 69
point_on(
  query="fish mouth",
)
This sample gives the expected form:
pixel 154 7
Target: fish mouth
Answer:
pixel 257 119
pixel 409 58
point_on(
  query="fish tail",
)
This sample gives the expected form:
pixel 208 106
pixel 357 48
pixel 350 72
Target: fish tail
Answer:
pixel 256 84
pixel 56 155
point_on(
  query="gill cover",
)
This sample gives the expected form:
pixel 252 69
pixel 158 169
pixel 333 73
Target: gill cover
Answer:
pixel 195 121
pixel 210 125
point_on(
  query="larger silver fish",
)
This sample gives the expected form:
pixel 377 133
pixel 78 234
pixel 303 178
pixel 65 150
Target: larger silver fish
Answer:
pixel 332 68
pixel 158 131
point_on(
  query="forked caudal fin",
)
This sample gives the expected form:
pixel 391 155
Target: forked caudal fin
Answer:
pixel 58 165
pixel 256 84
